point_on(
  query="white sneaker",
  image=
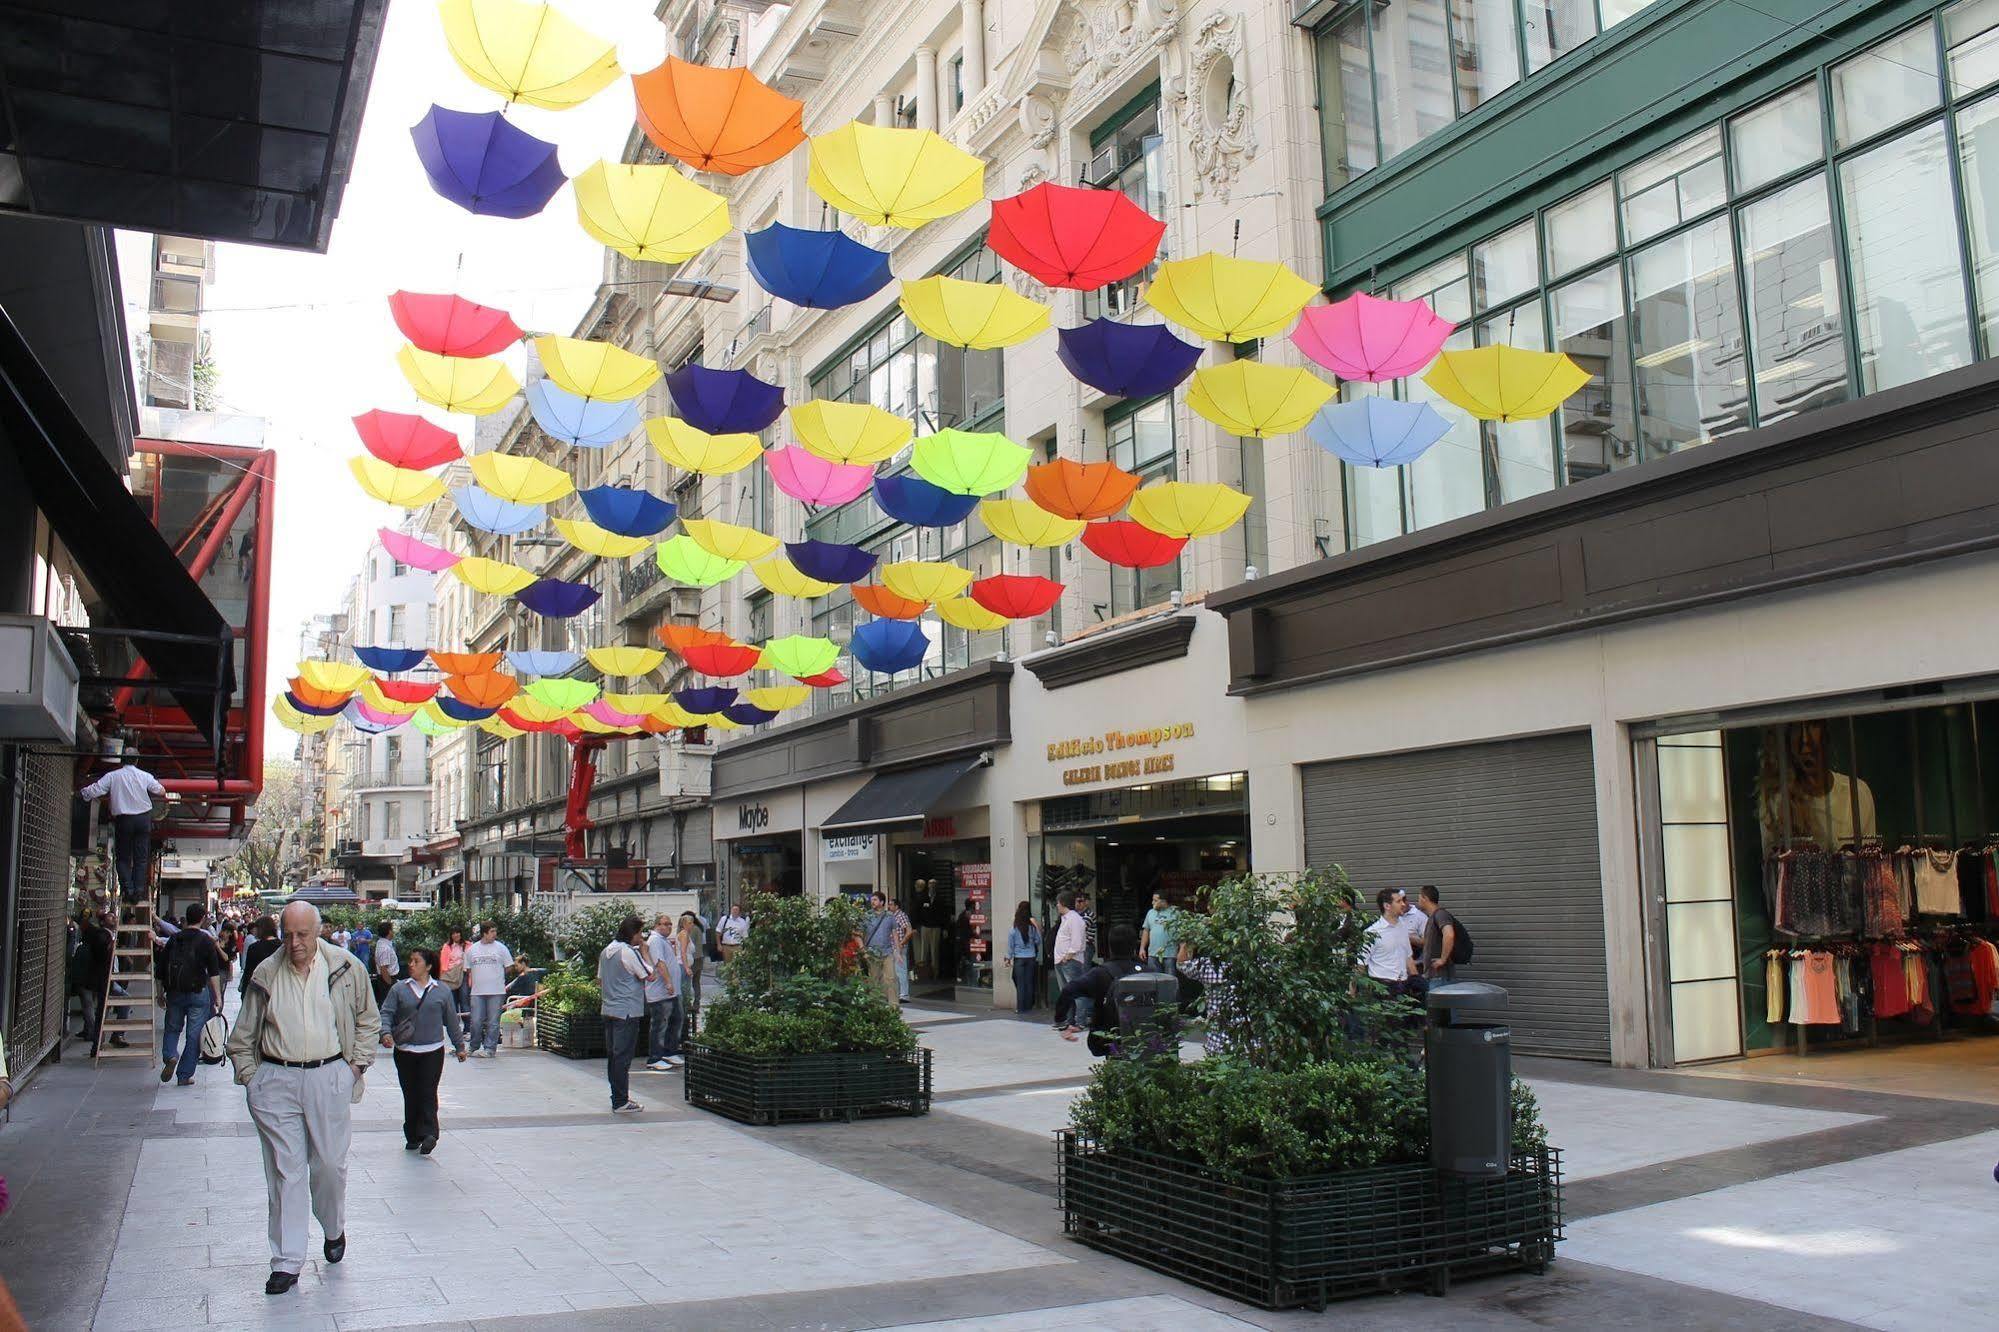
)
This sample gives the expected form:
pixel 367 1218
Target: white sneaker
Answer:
pixel 675 1061
pixel 628 1108
pixel 660 1066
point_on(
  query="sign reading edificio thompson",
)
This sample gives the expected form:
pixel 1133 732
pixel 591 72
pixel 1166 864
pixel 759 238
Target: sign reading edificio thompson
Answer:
pixel 1152 764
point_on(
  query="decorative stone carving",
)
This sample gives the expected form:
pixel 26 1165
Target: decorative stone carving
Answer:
pixel 1031 175
pixel 1038 120
pixel 1214 107
pixel 1096 40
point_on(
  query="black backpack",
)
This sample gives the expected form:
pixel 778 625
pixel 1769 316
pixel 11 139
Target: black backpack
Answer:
pixel 1461 944
pixel 185 969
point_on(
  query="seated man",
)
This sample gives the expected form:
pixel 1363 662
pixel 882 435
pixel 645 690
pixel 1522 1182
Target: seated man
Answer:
pixel 1095 985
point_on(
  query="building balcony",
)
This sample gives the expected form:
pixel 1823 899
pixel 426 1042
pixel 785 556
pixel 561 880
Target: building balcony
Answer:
pixel 410 776
pixel 643 591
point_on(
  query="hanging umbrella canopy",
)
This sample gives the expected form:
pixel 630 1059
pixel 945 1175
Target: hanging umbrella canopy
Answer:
pixel 670 714
pixel 967 614
pixel 523 725
pixel 498 726
pixel 638 704
pixel 694 450
pixel 706 700
pixel 1082 239
pixel 893 177
pixel 1502 383
pixel 925 580
pixel 830 561
pixel 434 724
pixel 518 478
pixel 968 462
pixel 721 659
pixel 680 559
pixel 557 598
pixel 584 422
pixel 416 553
pixel 1256 400
pixel 820 270
pixel 1226 299
pixel 402 440
pixel 372 721
pixel 810 479
pixel 723 120
pixel 480 689
pixel 591 539
pixel 371 693
pixel 778 698
pixel 484 164
pixel 1017 596
pixel 466 663
pixel 394 485
pixel 568 695
pixel 747 714
pixel 595 370
pixel 490 513
pixel 527 52
pixel 451 325
pixel 388 660
pixel 404 691
pixel 724 402
pixel 591 721
pixel 1022 522
pixel 1130 545
pixel 477 387
pixel 336 704
pixel 849 432
pixel 1126 360
pixel 912 500
pixel 626 510
pixel 727 540
pixel 1377 432
pixel 888 646
pixel 781 576
pixel 292 719
pixel 798 654
pixel 979 315
pixel 827 679
pixel 876 599
pixel 527 708
pixel 1188 508
pixel 1080 490
pixel 602 711
pixel 495 578
pixel 649 213
pixel 457 711
pixel 542 661
pixel 1372 340
pixel 678 636
pixel 318 698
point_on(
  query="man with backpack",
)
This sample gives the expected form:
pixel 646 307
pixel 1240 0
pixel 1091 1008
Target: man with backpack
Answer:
pixel 191 974
pixel 1446 943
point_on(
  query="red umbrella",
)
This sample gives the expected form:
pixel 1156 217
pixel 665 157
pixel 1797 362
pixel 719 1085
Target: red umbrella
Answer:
pixel 406 691
pixel 452 325
pixel 520 723
pixel 406 441
pixel 678 636
pixel 722 659
pixel 1126 544
pixel 826 679
pixel 1017 596
pixel 1070 237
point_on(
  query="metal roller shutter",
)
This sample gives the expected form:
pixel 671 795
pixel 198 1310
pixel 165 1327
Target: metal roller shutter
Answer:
pixel 42 892
pixel 1507 831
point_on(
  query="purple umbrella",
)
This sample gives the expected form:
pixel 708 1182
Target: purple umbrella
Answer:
pixel 484 164
pixel 747 714
pixel 554 597
pixel 724 402
pixel 1127 360
pixel 829 561
pixel 706 699
pixel 389 660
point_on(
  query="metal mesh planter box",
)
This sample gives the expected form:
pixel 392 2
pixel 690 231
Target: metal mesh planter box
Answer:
pixel 571 1035
pixel 785 1089
pixel 1283 1244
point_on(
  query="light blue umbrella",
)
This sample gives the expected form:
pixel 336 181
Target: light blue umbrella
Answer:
pixel 543 662
pixel 490 513
pixel 588 423
pixel 1377 432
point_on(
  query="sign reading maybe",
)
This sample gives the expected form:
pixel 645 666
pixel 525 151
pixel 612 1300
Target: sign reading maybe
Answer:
pixel 752 818
pixel 1112 742
pixel 860 846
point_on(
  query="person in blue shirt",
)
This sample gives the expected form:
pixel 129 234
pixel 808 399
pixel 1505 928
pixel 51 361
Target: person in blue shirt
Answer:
pixel 1023 958
pixel 1155 938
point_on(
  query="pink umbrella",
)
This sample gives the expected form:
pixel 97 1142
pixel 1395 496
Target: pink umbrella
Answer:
pixel 810 478
pixel 376 716
pixel 417 554
pixel 1366 338
pixel 610 716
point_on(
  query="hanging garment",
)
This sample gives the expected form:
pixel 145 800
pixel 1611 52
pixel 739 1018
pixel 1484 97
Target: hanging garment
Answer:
pixel 1774 988
pixel 1821 990
pixel 1960 978
pixel 1882 908
pixel 1891 981
pixel 1936 883
pixel 1985 973
pixel 1795 1001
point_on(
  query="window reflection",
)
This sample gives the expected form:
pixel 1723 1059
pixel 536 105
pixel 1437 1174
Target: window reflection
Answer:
pixel 1797 340
pixel 1141 441
pixel 1686 336
pixel 1520 455
pixel 1597 433
pixel 1901 239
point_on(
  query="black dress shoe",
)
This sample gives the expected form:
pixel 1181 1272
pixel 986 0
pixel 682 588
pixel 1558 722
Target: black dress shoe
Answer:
pixel 277 1283
pixel 429 1144
pixel 336 1249
pixel 409 1146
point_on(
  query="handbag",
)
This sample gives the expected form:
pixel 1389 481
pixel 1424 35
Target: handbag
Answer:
pixel 453 977
pixel 215 1040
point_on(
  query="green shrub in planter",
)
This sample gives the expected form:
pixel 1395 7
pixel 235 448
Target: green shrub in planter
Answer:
pixel 807 1015
pixel 566 992
pixel 587 933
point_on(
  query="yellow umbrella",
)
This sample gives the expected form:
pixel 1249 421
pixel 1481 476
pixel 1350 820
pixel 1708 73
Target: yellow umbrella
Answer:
pixel 781 576
pixel 529 708
pixel 728 541
pixel 925 580
pixel 968 614
pixel 304 723
pixel 624 661
pixel 649 212
pixel 693 450
pixel 1501 383
pixel 893 177
pixel 589 725
pixel 673 714
pixel 638 704
pixel 495 578
pixel 394 485
pixel 437 716
pixel 477 386
pixel 497 726
pixel 1025 523
pixel 595 369
pixel 719 722
pixel 849 432
pixel 522 480
pixel 979 315
pixel 777 698
pixel 371 694
pixel 1187 508
pixel 591 539
pixel 970 463
pixel 1226 299
pixel 527 52
pixel 680 559
pixel 1258 400
pixel 333 677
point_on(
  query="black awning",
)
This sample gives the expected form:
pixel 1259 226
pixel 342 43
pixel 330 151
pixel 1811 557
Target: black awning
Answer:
pixel 891 799
pixel 172 623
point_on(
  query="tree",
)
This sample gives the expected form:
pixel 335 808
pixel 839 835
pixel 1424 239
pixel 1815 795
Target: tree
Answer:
pixel 271 858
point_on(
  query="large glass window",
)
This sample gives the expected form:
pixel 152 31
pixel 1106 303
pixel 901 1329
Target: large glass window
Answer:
pixel 1141 441
pixel 1797 343
pixel 1686 339
pixel 1901 241
pixel 1590 327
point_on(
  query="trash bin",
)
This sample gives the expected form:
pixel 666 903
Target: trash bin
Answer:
pixel 1147 1005
pixel 1469 1060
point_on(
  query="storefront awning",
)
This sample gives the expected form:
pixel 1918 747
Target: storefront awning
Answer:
pixel 892 799
pixel 438 880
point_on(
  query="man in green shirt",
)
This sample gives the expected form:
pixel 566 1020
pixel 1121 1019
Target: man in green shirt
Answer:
pixel 1156 948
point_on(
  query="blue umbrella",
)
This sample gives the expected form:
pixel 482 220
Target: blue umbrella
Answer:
pixel 543 663
pixel 585 422
pixel 556 598
pixel 829 561
pixel 822 270
pixel 706 699
pixel 484 164
pixel 389 660
pixel 747 714
pixel 310 710
pixel 626 510
pixel 490 513
pixel 913 500
pixel 1377 432
pixel 458 711
pixel 724 402
pixel 888 646
pixel 1127 360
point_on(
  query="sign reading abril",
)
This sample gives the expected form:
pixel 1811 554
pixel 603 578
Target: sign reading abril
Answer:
pixel 1110 742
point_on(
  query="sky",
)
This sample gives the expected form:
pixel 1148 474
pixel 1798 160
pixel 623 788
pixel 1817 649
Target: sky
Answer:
pixel 306 341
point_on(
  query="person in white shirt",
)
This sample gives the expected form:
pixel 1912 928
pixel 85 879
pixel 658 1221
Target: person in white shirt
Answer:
pixel 735 929
pixel 387 965
pixel 486 965
pixel 1387 956
pixel 663 996
pixel 129 792
pixel 1415 923
pixel 1072 942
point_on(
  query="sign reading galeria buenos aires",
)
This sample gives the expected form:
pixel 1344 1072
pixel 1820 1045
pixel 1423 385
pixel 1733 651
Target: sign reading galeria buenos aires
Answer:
pixel 1150 763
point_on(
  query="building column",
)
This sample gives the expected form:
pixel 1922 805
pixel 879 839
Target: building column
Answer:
pixel 972 19
pixel 884 110
pixel 927 100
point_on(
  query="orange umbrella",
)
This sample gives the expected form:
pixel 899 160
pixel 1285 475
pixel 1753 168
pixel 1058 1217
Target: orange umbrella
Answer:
pixel 466 663
pixel 486 689
pixel 878 600
pixel 724 120
pixel 317 698
pixel 1080 490
pixel 679 636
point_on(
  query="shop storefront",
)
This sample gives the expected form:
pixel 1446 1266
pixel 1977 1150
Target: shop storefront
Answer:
pixel 942 878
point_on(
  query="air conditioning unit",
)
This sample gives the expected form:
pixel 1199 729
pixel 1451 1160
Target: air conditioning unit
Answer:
pixel 37 681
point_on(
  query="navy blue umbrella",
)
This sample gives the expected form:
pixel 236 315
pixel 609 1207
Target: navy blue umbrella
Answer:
pixel 1128 360
pixel 724 402
pixel 458 711
pixel 554 597
pixel 390 660
pixel 310 710
pixel 626 510
pixel 706 699
pixel 747 714
pixel 829 561
pixel 485 164
pixel 888 646
pixel 912 500
pixel 822 270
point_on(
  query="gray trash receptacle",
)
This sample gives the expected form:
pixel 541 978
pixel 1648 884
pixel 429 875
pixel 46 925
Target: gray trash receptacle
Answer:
pixel 1469 1062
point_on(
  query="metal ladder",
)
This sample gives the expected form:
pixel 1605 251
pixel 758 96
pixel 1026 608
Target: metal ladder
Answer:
pixel 132 967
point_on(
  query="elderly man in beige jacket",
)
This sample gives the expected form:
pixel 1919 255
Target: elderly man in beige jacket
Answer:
pixel 303 1043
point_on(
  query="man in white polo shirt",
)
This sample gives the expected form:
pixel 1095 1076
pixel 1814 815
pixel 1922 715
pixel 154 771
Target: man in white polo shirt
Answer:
pixel 129 792
pixel 1387 957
